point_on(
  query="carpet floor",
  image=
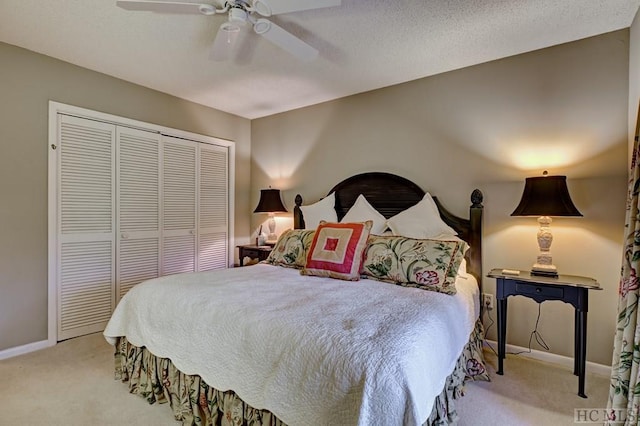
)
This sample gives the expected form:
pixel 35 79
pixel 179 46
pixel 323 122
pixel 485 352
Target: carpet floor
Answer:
pixel 72 384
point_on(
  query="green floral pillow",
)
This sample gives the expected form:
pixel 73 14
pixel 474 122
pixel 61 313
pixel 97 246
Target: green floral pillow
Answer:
pixel 426 264
pixel 291 248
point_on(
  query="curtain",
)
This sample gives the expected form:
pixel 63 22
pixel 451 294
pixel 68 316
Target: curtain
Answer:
pixel 624 392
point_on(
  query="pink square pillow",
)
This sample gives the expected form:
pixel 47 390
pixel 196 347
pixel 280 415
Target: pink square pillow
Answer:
pixel 337 250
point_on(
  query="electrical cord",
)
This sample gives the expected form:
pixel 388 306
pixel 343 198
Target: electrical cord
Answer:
pixel 535 333
pixel 486 330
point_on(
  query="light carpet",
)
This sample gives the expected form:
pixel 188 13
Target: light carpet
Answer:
pixel 72 384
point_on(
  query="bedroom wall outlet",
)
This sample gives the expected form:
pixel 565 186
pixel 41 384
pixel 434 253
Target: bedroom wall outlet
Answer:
pixel 487 301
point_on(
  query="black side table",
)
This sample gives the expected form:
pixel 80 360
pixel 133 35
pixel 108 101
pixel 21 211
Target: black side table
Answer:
pixel 253 251
pixel 570 289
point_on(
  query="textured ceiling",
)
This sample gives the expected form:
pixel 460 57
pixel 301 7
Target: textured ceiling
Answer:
pixel 363 44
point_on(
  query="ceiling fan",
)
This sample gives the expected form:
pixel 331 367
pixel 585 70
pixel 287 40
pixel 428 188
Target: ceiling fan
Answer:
pixel 239 14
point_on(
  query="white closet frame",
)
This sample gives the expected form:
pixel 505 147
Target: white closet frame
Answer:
pixel 56 108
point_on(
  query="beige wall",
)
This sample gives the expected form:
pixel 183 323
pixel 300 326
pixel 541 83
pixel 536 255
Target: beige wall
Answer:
pixel 27 82
pixel 449 133
pixel 489 126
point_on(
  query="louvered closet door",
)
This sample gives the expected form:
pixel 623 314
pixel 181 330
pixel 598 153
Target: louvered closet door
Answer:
pixel 213 208
pixel 86 243
pixel 138 172
pixel 179 193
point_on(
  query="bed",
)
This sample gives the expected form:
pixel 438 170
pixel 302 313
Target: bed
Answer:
pixel 269 345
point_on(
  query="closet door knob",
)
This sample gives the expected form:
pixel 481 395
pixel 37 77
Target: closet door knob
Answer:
pixel 125 236
pixel 192 232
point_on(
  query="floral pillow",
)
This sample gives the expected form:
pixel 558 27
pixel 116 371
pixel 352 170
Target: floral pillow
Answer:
pixel 291 248
pixel 426 264
pixel 337 250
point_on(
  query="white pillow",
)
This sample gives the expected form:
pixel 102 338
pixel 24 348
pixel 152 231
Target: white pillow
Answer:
pixel 420 221
pixel 361 211
pixel 324 209
pixel 462 270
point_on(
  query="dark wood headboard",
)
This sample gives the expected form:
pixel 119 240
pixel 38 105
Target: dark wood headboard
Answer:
pixel 390 194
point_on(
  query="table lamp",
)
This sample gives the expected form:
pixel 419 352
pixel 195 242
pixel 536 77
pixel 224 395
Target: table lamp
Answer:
pixel 545 196
pixel 270 202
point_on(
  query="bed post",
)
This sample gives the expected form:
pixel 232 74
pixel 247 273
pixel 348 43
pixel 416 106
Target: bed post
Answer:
pixel 298 220
pixel 475 235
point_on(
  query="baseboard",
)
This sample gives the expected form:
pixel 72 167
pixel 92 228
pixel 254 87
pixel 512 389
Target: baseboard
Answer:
pixel 25 349
pixel 565 361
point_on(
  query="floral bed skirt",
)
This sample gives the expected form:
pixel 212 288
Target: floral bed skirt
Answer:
pixel 195 403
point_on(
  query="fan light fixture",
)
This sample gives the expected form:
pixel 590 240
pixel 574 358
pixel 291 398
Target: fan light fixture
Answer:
pixel 238 16
pixel 545 196
pixel 239 13
pixel 237 19
pixel 270 202
pixel 231 31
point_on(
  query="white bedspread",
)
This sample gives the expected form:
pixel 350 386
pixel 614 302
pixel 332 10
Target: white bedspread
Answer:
pixel 311 350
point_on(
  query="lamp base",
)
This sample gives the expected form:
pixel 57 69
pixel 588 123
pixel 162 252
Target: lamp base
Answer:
pixel 544 270
pixel 272 228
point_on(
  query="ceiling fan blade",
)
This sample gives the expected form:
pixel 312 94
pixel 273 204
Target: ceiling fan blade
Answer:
pixel 275 7
pixel 226 40
pixel 285 40
pixel 167 7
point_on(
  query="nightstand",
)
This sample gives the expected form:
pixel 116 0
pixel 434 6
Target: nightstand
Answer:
pixel 570 289
pixel 254 252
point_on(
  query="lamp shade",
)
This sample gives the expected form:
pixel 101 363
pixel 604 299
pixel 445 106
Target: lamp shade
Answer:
pixel 270 202
pixel 546 196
